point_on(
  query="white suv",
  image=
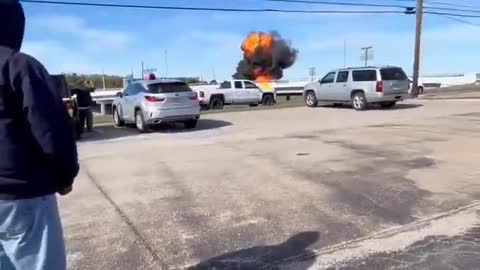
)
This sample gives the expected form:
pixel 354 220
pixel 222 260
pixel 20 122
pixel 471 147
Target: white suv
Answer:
pixel 360 87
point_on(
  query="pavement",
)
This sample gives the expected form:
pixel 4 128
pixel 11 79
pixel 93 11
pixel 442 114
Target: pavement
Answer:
pixel 297 188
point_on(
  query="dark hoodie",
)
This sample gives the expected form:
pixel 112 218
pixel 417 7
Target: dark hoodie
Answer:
pixel 38 155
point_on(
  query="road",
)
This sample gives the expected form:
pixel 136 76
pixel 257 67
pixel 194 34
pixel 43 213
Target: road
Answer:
pixel 297 188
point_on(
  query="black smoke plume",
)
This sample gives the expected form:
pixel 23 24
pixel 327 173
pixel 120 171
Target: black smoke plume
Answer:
pixel 267 61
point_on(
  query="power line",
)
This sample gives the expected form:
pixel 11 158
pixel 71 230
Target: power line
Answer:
pixel 357 4
pixel 334 3
pixel 451 4
pixel 212 8
pixel 460 20
pixel 244 10
pixel 453 9
pixel 441 3
pixel 451 14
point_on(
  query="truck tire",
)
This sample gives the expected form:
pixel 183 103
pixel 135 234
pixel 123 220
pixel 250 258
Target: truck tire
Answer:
pixel 216 103
pixel 311 99
pixel 268 100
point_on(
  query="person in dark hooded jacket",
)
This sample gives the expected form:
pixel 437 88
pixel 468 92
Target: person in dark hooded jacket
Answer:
pixel 38 155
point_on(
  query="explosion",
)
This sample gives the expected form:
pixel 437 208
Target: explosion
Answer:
pixel 265 56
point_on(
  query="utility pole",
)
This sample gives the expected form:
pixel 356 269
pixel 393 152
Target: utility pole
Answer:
pixel 418 46
pixel 166 64
pixel 143 69
pixel 313 73
pixel 366 54
pixel 103 78
pixel 213 73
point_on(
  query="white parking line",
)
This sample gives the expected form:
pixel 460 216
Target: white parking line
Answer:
pixel 398 238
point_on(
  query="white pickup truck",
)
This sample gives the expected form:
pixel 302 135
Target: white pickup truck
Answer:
pixel 237 92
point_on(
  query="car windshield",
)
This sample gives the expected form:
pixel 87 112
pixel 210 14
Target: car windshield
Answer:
pixel 393 74
pixel 171 87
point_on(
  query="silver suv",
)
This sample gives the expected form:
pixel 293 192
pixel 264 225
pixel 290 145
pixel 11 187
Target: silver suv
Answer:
pixel 151 102
pixel 360 87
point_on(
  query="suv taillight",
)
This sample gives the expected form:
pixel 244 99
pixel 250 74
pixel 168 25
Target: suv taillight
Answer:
pixel 379 87
pixel 195 96
pixel 154 99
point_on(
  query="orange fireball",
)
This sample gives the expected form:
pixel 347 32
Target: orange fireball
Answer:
pixel 264 78
pixel 265 56
pixel 256 41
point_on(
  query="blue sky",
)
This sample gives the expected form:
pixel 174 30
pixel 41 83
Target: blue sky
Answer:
pixel 87 40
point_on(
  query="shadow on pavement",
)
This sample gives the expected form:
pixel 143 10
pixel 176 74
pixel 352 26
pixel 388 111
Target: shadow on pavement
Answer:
pixel 399 106
pixel 110 132
pixel 265 257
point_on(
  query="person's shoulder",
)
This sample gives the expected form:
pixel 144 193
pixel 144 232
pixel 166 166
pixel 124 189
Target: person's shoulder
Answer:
pixel 26 60
pixel 25 65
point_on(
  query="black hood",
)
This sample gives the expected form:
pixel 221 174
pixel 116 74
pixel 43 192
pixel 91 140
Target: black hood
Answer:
pixel 12 24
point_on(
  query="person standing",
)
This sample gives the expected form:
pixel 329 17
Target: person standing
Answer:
pixel 85 103
pixel 38 154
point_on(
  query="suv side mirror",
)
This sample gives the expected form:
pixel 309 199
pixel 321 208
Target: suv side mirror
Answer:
pixel 119 94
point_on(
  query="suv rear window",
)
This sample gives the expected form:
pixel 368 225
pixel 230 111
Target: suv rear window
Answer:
pixel 393 74
pixel 172 87
pixel 364 75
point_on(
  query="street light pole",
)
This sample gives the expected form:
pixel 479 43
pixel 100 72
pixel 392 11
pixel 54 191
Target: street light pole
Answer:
pixel 418 45
pixel 366 54
pixel 166 63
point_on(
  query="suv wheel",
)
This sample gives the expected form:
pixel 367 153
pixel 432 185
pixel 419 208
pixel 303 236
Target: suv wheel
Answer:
pixel 311 99
pixel 140 122
pixel 117 121
pixel 359 101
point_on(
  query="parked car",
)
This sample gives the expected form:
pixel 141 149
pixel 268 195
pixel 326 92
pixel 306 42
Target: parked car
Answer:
pixel 237 92
pixel 360 87
pixel 151 102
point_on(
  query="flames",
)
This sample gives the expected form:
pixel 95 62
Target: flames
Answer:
pixel 261 43
pixel 255 41
pixel 265 55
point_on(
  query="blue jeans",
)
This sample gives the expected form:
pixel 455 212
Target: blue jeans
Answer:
pixel 31 235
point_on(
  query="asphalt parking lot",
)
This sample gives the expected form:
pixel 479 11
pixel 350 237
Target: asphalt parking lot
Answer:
pixel 296 188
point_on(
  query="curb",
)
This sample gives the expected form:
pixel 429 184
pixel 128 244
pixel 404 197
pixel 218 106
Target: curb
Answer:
pixel 449 98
